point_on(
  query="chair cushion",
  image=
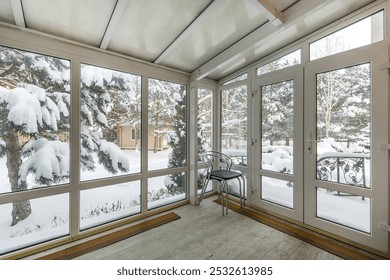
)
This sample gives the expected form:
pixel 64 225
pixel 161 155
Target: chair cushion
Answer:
pixel 224 174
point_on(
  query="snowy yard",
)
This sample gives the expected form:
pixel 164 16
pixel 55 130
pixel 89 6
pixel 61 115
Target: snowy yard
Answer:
pixel 50 215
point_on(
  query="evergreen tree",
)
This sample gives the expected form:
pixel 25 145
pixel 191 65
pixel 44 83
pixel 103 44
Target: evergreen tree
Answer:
pixel 177 141
pixel 234 117
pixel 277 111
pixel 35 122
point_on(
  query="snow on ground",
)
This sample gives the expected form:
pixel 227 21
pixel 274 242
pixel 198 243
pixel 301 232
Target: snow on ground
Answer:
pixel 50 217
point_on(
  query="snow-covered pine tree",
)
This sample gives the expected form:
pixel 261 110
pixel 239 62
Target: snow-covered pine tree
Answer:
pixel 35 123
pixel 277 111
pixel 28 112
pixel 177 141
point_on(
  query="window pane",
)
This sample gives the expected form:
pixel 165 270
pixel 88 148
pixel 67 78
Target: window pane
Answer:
pixel 286 61
pixel 167 125
pixel 166 189
pixel 277 126
pixel 110 109
pixel 344 209
pixel 344 126
pixel 277 191
pixel 369 30
pixel 205 120
pixel 234 123
pixel 236 79
pixel 105 204
pixel 35 120
pixel 49 220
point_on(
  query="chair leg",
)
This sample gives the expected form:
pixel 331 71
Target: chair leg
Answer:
pixel 239 184
pixel 222 187
pixel 204 187
pixel 227 197
pixel 244 189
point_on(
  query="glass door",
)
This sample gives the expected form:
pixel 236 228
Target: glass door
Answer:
pixel 280 149
pixel 345 168
pixel 321 152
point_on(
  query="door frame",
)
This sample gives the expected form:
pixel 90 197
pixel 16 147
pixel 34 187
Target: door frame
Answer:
pixel 296 213
pixel 377 56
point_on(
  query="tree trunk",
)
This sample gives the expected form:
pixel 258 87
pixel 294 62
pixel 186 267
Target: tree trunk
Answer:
pixel 20 209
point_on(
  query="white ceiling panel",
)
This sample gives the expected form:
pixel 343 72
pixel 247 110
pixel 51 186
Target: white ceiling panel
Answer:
pixel 83 21
pixel 6 12
pixel 227 24
pixel 147 28
pixel 209 38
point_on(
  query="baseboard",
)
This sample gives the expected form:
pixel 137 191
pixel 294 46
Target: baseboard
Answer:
pixel 105 240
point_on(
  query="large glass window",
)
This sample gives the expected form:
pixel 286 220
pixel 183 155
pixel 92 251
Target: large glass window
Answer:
pixel 48 220
pixel 277 111
pixel 344 126
pixel 167 135
pixel 34 120
pixel 205 120
pixel 110 122
pixel 163 190
pixel 34 145
pixel 234 123
pixel 362 33
pixel 205 129
pixel 105 204
pixel 345 209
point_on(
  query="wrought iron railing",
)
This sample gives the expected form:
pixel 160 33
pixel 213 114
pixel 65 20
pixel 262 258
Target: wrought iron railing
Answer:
pixel 341 168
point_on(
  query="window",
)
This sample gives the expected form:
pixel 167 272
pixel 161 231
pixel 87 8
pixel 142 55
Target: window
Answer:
pixel 49 220
pixel 236 79
pixel 34 146
pixel 234 123
pixel 110 108
pixel 35 120
pixel 163 190
pixel 135 134
pixel 370 31
pixel 277 109
pixel 205 120
pixel 109 203
pixel 283 62
pixel 167 135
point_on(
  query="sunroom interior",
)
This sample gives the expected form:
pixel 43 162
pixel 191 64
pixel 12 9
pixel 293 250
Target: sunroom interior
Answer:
pixel 107 107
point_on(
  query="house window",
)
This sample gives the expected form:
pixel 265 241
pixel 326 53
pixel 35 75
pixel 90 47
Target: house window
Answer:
pixel 135 134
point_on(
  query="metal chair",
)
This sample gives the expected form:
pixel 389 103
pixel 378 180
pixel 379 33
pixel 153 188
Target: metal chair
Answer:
pixel 218 168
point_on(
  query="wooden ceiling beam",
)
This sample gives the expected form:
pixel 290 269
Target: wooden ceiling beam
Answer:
pixel 274 16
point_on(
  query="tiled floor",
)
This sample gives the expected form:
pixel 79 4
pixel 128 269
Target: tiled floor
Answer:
pixel 203 233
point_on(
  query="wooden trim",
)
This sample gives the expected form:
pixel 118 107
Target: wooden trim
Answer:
pixel 331 245
pixel 108 239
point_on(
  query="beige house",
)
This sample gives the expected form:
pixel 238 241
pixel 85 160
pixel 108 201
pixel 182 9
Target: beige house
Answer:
pixel 129 138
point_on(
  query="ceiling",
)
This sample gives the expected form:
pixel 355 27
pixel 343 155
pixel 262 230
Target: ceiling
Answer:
pixel 208 38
